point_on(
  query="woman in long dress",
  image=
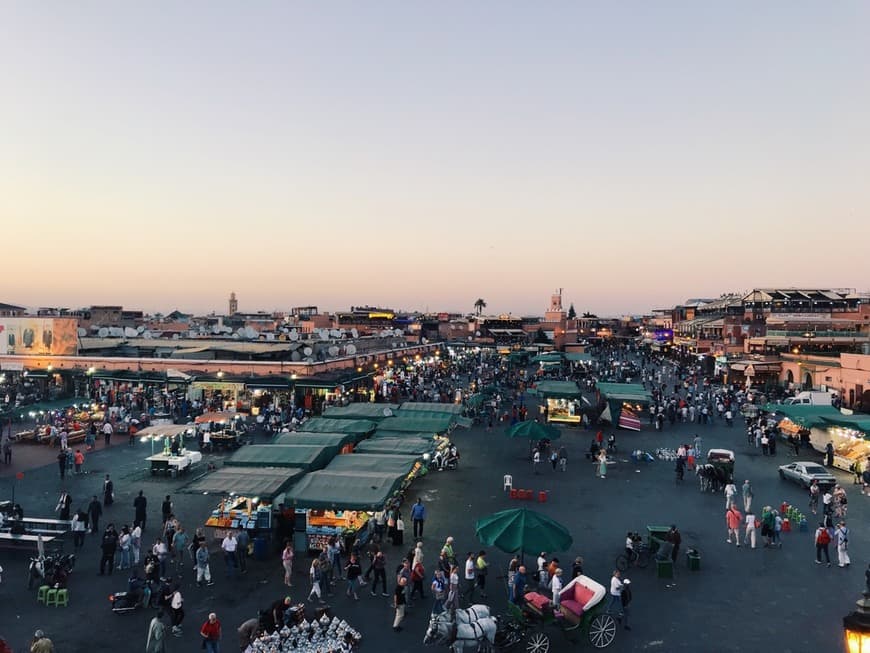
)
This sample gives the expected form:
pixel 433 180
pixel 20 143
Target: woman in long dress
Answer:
pixel 602 464
pixel 156 642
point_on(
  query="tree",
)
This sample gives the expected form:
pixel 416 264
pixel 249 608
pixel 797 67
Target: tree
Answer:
pixel 572 314
pixel 589 315
pixel 479 305
pixel 541 337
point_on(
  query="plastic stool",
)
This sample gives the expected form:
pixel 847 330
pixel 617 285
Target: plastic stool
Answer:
pixel 51 597
pixel 542 496
pixel 508 482
pixel 514 493
pixel 41 594
pixel 786 526
pixel 62 599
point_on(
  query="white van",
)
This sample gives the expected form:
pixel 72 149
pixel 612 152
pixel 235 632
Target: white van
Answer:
pixel 812 398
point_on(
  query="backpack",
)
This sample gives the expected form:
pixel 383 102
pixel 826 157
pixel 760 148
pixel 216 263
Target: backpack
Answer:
pixel 823 537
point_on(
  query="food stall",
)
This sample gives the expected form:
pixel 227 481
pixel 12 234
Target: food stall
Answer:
pixel 248 494
pixel 344 441
pixel 410 422
pixel 361 428
pixel 562 401
pixel 306 457
pixel 849 435
pixel 625 403
pixel 220 430
pixel 371 411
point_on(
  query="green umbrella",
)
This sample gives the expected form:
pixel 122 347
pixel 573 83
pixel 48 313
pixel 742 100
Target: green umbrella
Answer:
pixel 523 530
pixel 533 430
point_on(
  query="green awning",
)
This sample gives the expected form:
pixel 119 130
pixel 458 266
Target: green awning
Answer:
pixel 434 424
pixel 307 457
pixel 575 357
pixel 268 383
pixel 263 482
pixel 361 411
pixel 857 422
pixel 328 425
pixel 396 446
pixel 404 435
pixel 426 407
pixel 550 357
pixel 317 439
pixel 343 491
pixel 362 463
pixel 803 415
pixel 557 389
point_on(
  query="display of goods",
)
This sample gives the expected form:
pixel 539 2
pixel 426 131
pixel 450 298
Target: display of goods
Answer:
pixel 317 636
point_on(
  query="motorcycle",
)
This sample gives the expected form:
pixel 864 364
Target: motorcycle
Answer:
pixel 140 593
pixel 445 460
pixel 51 570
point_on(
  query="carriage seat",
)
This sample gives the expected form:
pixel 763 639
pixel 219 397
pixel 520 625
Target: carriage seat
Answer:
pixel 538 604
pixel 578 596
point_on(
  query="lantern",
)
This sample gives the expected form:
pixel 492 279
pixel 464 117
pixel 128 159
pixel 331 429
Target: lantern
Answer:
pixel 856 626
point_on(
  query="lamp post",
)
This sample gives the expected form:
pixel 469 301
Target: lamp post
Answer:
pixel 856 626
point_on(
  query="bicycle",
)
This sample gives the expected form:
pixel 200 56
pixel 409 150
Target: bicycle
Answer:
pixel 640 558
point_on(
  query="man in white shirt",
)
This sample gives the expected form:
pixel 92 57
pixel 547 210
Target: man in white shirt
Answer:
pixel 615 593
pixel 730 495
pixel 229 548
pixel 543 575
pixel 468 593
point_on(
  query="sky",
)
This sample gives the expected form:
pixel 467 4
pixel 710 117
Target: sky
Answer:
pixel 423 155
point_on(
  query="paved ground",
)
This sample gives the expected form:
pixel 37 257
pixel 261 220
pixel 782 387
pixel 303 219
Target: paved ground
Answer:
pixel 741 600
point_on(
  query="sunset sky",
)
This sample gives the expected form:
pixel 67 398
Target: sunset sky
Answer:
pixel 421 155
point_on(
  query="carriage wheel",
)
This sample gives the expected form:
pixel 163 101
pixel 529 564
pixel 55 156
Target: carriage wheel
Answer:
pixel 602 630
pixel 537 642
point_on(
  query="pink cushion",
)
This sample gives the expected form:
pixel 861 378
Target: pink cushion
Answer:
pixel 536 600
pixel 571 606
pixel 582 594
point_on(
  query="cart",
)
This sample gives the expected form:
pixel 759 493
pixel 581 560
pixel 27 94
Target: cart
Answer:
pixel 581 612
pixel 722 459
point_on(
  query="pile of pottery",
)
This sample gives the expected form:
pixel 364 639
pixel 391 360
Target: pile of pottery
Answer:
pixel 317 636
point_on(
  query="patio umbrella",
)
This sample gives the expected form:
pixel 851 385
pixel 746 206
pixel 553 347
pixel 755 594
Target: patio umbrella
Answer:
pixel 523 530
pixel 533 430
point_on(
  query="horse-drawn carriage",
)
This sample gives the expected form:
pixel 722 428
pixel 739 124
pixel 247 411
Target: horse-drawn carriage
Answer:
pixel 525 627
pixel 717 472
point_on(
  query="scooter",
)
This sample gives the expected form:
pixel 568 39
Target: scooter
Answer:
pixel 139 594
pixel 50 570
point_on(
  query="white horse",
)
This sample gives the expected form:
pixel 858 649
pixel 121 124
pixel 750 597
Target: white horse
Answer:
pixel 459 636
pixel 469 615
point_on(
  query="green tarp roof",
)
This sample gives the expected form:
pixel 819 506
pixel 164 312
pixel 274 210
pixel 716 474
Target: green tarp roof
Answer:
pixel 626 391
pixel 343 490
pixel 317 439
pixel 857 422
pixel 404 435
pixel 360 411
pixel 455 418
pixel 435 423
pixel 329 425
pixel 263 482
pixel 576 357
pixel 549 357
pixel 558 389
pixel 307 457
pixel 396 446
pixel 427 407
pixel 370 462
pixel 803 415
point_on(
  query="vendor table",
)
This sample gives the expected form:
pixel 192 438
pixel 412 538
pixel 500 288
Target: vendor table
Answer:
pixel 164 463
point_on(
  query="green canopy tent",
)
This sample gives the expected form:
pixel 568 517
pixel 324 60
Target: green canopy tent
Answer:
pixel 803 415
pixel 427 407
pixel 359 427
pixel 325 490
pixel 421 435
pixel 619 394
pixel 361 411
pixel 434 424
pixel 263 482
pixel 316 439
pixel 856 422
pixel 521 530
pixel 307 457
pixel 556 390
pixel 373 463
pixel 416 446
pixel 532 430
pixel 548 357
pixel 455 418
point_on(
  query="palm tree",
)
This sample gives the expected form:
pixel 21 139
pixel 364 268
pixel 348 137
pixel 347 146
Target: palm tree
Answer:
pixel 479 305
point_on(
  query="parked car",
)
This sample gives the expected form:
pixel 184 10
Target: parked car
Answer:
pixel 805 473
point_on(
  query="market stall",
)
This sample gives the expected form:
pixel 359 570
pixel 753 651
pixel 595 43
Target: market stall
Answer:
pixel 307 457
pixel 173 464
pixel 429 407
pixel 241 512
pixel 562 401
pixel 414 446
pixel 625 403
pixel 849 435
pixel 377 463
pixel 432 424
pixel 220 430
pixel 340 440
pixel 361 411
pixel 263 483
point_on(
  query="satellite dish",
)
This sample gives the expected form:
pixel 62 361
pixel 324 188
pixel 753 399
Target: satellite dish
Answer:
pixel 341 333
pixel 270 336
pixel 236 336
pixel 240 332
pixel 147 335
pixel 116 332
pixel 294 335
pixel 351 350
pixel 130 332
pixel 425 340
pixel 227 329
pixel 103 332
pixel 175 336
pixel 140 328
pixel 354 333
pixel 95 327
pixel 388 412
pixel 82 332
pixel 334 333
pixel 333 351
pixel 477 333
pixel 324 334
pixel 216 329
pixel 250 332
pixel 309 360
pixel 308 351
pixel 295 356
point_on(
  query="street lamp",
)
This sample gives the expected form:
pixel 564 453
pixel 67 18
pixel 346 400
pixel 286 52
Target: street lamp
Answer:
pixel 856 626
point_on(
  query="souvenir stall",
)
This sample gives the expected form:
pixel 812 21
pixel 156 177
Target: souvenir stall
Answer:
pixel 360 428
pixel 562 401
pixel 344 441
pixel 322 635
pixel 626 402
pixel 306 457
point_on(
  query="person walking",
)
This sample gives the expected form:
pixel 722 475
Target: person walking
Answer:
pixel 730 495
pixel 842 535
pixel 107 432
pixel 556 587
pixel 749 537
pixel 747 495
pixel 140 506
pixel 64 503
pixel 379 572
pixel 418 575
pixel 563 459
pixel 536 461
pixel 203 572
pixel 399 604
pixel 352 572
pixel 287 563
pixel 243 541
pixel 625 597
pixel 469 576
pixel 108 491
pixel 78 461
pixel 95 511
pixel 418 516
pixel 733 520
pixel 315 576
pixel 822 539
pixel 814 492
pixel 166 508
pixel 481 569
pixel 229 547
pixel 108 546
pixel 615 600
pixel 439 591
pixel 77 526
pixel 211 634
pixel 176 607
pixel 156 640
pixel 602 464
pixel 452 604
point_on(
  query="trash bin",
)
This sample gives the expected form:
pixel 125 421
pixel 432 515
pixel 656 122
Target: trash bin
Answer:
pixel 693 558
pixel 664 568
pixel 261 548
